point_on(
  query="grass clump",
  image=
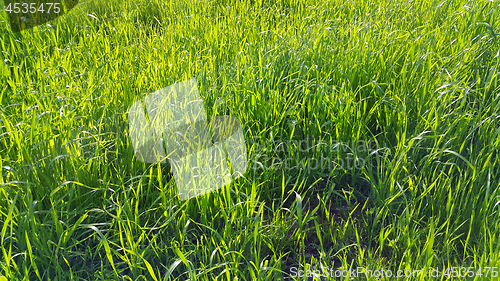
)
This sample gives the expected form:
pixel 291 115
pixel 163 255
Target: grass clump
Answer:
pixel 372 130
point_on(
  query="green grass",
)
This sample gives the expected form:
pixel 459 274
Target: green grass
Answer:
pixel 412 88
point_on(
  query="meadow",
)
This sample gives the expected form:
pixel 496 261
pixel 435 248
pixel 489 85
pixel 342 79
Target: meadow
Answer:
pixel 372 132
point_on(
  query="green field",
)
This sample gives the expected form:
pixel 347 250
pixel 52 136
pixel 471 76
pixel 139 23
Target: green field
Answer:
pixel 372 130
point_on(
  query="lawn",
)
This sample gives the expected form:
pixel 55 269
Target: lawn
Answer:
pixel 372 131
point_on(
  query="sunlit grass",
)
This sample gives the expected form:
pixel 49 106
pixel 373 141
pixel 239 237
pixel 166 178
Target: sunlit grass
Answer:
pixel 401 96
